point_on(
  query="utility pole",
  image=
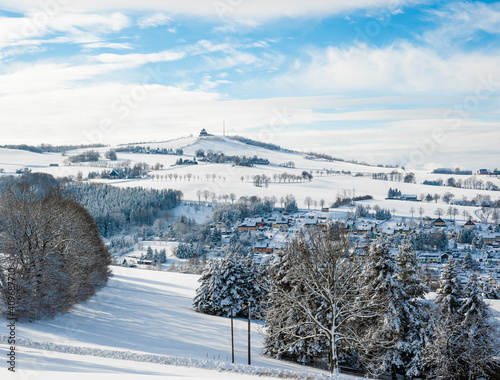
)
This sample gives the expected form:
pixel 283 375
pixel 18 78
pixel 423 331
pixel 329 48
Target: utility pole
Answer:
pixel 232 337
pixel 249 355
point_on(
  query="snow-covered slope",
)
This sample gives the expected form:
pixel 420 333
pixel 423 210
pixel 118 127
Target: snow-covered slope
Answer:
pixel 226 178
pixel 142 317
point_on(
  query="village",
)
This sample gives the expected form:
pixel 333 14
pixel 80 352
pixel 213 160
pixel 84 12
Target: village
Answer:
pixel 473 244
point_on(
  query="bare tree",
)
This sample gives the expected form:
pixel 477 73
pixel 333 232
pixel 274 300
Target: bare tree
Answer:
pixel 439 211
pixel 308 201
pixel 323 271
pixel 412 211
pixel 206 195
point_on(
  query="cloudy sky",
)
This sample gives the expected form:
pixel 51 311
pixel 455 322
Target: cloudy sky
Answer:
pixel 383 81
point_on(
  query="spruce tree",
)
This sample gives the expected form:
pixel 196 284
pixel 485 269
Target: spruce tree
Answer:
pixel 470 264
pixel 450 292
pixel 479 340
pixel 412 313
pixel 203 301
pixel 229 283
pixel 383 332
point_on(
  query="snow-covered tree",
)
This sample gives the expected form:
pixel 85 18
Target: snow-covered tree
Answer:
pixel 383 332
pixel 412 312
pixel 53 245
pixel 149 253
pixel 463 347
pixel 489 292
pixel 318 295
pixel 469 263
pixel 204 293
pixel 286 335
pixel 232 282
pixel 450 292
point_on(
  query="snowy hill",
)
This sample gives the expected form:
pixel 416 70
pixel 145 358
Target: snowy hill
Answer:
pixel 226 178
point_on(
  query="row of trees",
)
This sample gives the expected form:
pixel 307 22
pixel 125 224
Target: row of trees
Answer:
pixel 468 183
pixel 324 300
pixel 88 156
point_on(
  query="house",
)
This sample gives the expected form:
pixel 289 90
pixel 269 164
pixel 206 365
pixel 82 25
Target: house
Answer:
pixel 439 223
pixel 429 257
pixel 492 240
pixel 402 230
pixel 248 225
pixel 470 224
pixel 363 229
pixel 409 197
pixel 325 209
pixel 113 175
pixel 262 247
pixel 282 224
pixel 483 172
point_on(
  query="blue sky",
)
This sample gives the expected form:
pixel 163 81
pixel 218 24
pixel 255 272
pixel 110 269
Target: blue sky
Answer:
pixel 384 81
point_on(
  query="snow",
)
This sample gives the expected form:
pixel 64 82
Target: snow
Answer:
pixel 145 317
pixel 228 177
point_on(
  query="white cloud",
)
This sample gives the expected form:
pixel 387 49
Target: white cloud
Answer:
pixel 108 45
pixel 401 68
pixel 459 22
pixel 222 9
pixel 153 21
pixel 135 60
pixel 75 28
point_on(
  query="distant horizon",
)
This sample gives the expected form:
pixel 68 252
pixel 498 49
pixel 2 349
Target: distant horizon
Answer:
pixel 407 82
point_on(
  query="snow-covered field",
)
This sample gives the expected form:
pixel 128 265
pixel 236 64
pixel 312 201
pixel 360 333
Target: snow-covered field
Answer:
pixel 229 178
pixel 142 323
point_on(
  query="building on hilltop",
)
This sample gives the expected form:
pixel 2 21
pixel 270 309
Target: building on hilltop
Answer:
pixel 204 133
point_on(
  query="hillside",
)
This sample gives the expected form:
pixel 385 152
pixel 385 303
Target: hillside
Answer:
pixel 144 318
pixel 226 178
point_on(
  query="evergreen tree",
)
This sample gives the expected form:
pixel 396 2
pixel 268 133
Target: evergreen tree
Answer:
pixel 450 292
pixel 203 300
pixel 480 343
pixel 384 331
pixel 232 282
pixel 470 264
pixel 163 256
pixel 149 253
pixel 216 237
pixel 412 313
